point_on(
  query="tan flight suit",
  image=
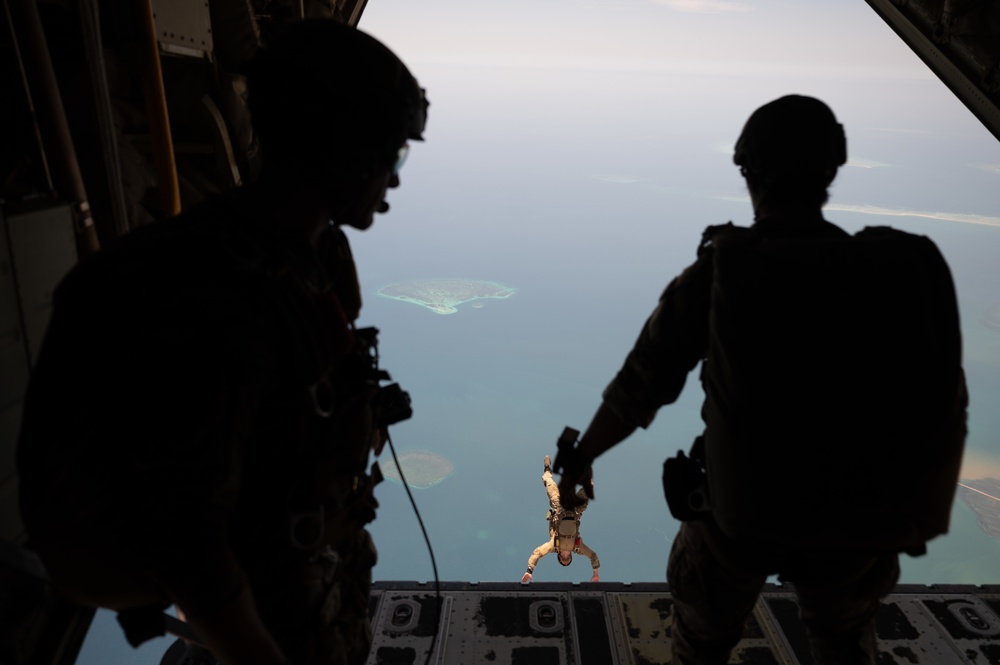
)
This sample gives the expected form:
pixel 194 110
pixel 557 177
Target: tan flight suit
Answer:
pixel 552 489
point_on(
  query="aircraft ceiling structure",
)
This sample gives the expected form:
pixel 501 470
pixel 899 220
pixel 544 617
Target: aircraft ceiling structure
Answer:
pixel 959 40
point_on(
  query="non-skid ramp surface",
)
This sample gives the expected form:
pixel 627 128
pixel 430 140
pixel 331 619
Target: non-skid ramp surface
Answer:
pixel 627 624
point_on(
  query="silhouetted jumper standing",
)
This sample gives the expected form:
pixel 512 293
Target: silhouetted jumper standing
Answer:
pixel 198 427
pixel 835 421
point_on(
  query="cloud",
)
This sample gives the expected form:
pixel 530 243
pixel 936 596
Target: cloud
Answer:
pixel 704 6
pixel 864 163
pixel 619 179
pixel 899 130
pixel 961 217
pixel 992 168
pixel 964 218
pixel 856 162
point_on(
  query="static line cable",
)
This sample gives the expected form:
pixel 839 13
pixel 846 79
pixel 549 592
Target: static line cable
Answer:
pixel 27 96
pixel 430 550
pixel 91 22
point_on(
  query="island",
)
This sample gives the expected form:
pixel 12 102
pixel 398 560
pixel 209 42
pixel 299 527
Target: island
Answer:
pixel 443 296
pixel 421 468
pixel 982 496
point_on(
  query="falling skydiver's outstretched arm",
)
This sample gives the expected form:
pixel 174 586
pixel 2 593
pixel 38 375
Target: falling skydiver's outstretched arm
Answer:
pixel 595 561
pixel 539 552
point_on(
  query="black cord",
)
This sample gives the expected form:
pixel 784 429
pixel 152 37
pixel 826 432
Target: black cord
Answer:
pixel 430 550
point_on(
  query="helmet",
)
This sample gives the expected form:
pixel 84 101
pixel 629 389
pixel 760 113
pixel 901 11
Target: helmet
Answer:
pixel 326 93
pixel 792 136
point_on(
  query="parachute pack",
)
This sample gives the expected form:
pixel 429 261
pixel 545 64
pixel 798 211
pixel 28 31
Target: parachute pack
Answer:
pixel 834 395
pixel 566 530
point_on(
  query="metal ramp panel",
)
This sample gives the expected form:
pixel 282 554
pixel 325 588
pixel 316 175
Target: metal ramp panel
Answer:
pixel 627 624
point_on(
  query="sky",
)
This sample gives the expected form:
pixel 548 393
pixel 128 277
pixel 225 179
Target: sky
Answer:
pixel 575 150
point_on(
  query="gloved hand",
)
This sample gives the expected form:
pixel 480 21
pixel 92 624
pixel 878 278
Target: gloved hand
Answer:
pixel 567 487
pixel 526 578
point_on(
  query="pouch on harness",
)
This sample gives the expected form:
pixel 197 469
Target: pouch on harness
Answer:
pixel 834 394
pixel 566 530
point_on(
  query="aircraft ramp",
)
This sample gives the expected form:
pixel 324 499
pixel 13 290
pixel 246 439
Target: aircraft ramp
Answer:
pixel 626 624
